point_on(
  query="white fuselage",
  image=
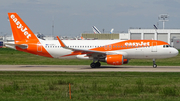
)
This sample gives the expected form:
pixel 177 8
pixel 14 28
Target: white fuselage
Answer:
pixel 152 52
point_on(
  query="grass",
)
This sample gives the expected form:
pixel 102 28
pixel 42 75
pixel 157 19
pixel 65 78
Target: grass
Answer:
pixel 96 86
pixel 13 57
pixel 115 86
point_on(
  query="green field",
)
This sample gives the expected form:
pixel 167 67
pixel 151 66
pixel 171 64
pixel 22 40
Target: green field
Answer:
pixel 13 57
pixel 96 86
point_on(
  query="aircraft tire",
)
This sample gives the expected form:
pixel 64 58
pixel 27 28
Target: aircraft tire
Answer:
pixel 93 65
pixel 154 66
pixel 98 64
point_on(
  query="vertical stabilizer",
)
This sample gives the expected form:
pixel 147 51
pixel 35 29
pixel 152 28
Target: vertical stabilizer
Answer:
pixel 112 31
pixel 96 31
pixel 20 30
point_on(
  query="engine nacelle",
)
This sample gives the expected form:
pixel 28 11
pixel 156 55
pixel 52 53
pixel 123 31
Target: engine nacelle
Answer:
pixel 115 59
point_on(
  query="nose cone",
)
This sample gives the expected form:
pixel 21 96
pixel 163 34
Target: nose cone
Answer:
pixel 175 52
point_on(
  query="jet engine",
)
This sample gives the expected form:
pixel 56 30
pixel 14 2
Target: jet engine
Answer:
pixel 116 59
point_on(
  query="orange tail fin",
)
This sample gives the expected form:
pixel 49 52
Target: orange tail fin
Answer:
pixel 20 30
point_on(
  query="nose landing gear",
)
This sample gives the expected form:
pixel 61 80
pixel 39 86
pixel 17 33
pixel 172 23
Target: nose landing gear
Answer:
pixel 154 63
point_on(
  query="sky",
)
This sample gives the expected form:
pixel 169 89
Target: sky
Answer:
pixel 73 17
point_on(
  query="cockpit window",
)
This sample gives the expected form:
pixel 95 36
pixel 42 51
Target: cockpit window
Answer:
pixel 166 46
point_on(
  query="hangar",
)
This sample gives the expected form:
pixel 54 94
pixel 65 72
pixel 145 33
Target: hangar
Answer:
pixel 171 36
pixel 166 35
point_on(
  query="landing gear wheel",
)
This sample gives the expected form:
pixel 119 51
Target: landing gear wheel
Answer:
pixel 93 65
pixel 98 64
pixel 154 65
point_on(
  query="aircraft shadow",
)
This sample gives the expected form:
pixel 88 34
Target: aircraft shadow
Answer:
pixel 33 66
pixel 106 67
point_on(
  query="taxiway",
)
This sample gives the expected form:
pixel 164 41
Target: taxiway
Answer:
pixel 86 68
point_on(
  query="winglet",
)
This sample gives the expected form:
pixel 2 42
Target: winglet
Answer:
pixel 62 44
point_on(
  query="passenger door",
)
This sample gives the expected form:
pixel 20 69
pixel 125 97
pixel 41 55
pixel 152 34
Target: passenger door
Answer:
pixel 154 47
pixel 39 47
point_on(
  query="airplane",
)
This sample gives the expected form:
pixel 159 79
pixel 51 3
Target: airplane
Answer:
pixel 95 30
pixel 113 52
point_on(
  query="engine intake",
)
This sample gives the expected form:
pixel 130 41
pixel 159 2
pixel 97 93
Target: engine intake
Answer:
pixel 125 61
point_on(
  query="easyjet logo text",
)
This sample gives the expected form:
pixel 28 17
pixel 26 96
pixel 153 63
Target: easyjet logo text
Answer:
pixel 137 43
pixel 20 26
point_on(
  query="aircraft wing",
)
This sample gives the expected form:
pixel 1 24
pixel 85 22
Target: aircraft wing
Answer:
pixel 82 51
pixel 23 46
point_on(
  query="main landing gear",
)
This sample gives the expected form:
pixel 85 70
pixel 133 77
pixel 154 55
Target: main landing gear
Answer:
pixel 154 63
pixel 95 65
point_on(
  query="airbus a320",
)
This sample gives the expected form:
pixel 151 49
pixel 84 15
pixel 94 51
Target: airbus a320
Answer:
pixel 113 52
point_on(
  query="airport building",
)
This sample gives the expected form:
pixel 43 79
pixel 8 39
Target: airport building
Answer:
pixel 171 36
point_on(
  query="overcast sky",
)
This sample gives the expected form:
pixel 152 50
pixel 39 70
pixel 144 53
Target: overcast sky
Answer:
pixel 73 17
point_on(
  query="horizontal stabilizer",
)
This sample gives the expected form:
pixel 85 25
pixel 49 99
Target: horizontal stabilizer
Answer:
pixel 22 46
